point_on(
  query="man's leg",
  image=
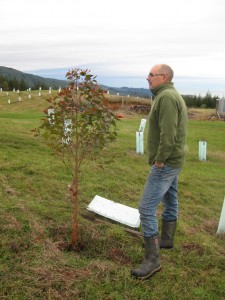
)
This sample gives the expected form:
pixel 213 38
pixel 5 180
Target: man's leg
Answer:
pixel 170 202
pixel 169 215
pixel 158 183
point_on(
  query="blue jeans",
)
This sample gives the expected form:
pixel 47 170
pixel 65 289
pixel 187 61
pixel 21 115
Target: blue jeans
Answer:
pixel 161 185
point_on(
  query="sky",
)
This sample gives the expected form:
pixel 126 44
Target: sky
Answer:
pixel 119 40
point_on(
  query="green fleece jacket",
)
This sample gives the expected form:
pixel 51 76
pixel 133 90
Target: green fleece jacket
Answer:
pixel 167 127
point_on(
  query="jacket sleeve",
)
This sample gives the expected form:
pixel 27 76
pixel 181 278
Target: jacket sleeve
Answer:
pixel 167 114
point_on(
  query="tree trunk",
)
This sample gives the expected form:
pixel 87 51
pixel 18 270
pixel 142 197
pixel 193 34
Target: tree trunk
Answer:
pixel 75 188
pixel 75 212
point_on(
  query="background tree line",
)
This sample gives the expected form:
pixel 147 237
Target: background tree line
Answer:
pixel 208 101
pixel 10 84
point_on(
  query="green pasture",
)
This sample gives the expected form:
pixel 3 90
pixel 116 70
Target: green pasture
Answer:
pixel 36 216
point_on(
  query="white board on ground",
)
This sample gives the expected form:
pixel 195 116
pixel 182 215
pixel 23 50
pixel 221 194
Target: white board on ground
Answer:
pixel 115 211
pixel 221 226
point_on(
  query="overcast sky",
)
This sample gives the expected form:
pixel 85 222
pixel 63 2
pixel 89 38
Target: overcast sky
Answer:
pixel 119 40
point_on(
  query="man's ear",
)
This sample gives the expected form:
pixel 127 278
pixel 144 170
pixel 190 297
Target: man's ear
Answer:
pixel 165 78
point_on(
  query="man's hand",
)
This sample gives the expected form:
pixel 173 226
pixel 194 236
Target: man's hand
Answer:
pixel 159 164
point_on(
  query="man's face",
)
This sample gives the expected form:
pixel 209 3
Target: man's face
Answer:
pixel 155 77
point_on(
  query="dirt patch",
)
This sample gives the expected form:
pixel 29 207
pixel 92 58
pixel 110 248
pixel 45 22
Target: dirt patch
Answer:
pixel 135 109
pixel 17 247
pixel 210 226
pixel 65 246
pixel 10 191
pixel 193 247
pixel 118 255
pixel 204 115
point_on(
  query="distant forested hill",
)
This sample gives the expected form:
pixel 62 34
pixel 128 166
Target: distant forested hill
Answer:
pixel 13 79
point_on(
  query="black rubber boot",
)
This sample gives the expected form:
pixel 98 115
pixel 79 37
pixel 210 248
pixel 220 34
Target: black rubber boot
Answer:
pixel 151 262
pixel 167 235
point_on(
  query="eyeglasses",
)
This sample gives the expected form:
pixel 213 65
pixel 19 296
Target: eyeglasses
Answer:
pixel 154 74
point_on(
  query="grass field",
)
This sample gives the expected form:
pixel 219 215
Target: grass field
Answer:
pixel 36 217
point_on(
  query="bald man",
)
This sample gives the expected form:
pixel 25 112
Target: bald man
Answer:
pixel 167 127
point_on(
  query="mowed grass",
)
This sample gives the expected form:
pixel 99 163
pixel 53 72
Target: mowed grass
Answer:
pixel 36 217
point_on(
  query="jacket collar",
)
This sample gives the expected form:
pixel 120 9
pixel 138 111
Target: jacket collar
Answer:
pixel 161 88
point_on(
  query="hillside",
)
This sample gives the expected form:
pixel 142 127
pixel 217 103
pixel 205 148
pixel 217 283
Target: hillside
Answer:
pixel 34 81
pixel 30 80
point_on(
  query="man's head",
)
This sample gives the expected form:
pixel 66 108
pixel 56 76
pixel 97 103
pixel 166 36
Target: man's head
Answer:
pixel 159 74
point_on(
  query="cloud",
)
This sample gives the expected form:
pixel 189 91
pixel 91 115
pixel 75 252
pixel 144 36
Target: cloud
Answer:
pixel 117 39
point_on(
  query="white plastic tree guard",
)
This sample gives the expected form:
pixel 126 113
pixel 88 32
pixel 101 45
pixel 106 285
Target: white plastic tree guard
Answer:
pixel 115 211
pixel 202 150
pixel 67 130
pixel 221 226
pixel 51 116
pixel 139 142
pixel 140 137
